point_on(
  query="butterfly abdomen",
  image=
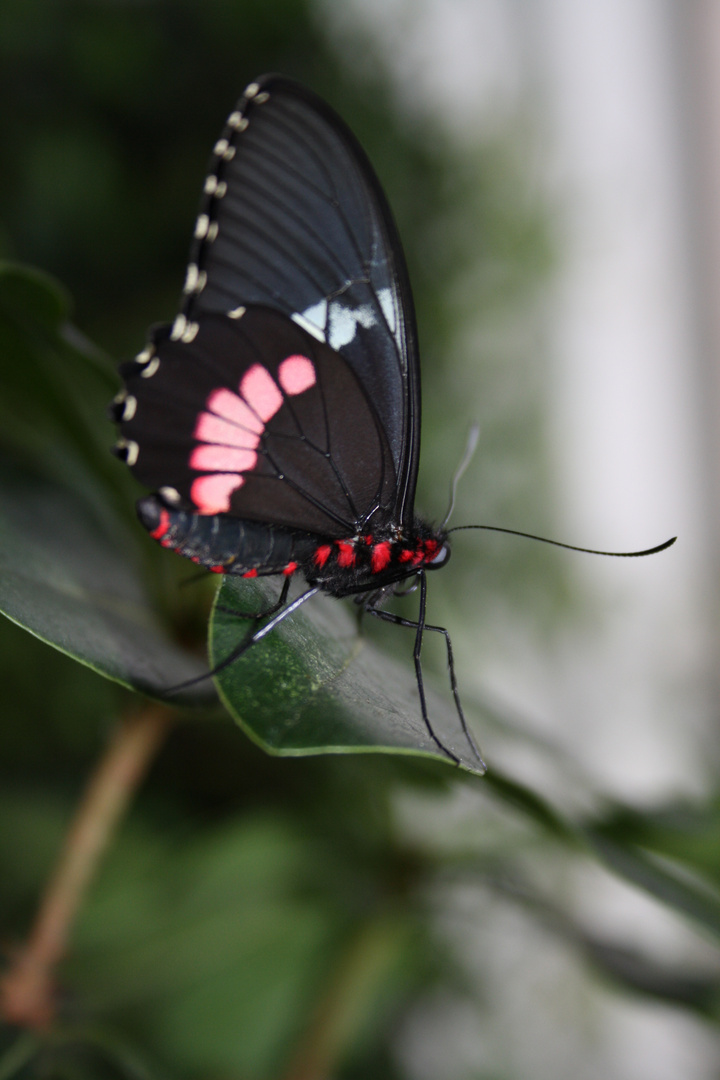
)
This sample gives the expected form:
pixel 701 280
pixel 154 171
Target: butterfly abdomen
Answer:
pixel 224 544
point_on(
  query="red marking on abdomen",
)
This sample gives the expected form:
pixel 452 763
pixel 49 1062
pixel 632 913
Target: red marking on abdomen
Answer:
pixel 217 569
pixel 211 494
pixel 296 374
pixel 380 557
pixel 322 554
pixel 162 527
pixel 261 392
pixel 346 554
pixel 290 569
pixel 250 573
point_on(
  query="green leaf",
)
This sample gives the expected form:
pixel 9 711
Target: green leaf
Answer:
pixel 69 580
pixel 532 805
pixel 315 685
pixel 669 881
pixel 55 385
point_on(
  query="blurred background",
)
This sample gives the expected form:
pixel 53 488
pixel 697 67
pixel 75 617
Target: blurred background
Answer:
pixel 554 169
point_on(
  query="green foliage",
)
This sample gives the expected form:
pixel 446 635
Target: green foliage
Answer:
pixel 256 910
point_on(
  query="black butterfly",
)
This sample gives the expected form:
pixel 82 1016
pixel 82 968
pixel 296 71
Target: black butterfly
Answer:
pixel 278 418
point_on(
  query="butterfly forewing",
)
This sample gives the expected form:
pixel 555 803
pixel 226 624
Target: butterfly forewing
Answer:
pixel 293 217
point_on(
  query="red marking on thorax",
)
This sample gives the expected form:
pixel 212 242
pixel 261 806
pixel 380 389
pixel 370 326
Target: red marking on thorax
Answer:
pixel 322 554
pixel 380 557
pixel 346 554
pixel 162 527
pixel 405 555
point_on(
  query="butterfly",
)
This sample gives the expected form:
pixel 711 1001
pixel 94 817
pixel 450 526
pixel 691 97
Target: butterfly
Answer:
pixel 278 418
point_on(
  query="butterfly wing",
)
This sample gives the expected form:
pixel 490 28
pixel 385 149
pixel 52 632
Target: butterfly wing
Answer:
pixel 293 222
pixel 254 417
pixel 294 217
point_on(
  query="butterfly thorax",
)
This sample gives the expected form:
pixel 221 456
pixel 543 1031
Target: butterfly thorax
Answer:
pixel 371 560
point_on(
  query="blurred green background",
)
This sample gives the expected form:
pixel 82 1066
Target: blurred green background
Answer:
pixel 252 905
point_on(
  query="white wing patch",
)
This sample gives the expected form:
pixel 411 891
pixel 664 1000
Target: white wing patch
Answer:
pixel 313 319
pixel 337 323
pixel 344 322
pixel 387 303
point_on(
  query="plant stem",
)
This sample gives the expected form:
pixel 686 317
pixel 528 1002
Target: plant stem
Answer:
pixel 27 990
pixel 369 956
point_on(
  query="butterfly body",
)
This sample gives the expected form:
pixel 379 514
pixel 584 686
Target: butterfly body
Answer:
pixel 354 564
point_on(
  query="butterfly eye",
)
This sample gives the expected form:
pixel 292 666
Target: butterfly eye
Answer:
pixel 440 559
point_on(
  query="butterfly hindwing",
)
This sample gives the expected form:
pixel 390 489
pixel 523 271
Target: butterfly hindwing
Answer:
pixel 254 417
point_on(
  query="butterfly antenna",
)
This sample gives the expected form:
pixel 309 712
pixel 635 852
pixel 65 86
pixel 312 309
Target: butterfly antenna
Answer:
pixel 571 547
pixel 470 447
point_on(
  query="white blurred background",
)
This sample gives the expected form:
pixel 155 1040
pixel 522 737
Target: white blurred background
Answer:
pixel 622 100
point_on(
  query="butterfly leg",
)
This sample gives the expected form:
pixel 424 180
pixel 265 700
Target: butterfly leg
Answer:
pixel 280 609
pixel 420 626
pixel 257 615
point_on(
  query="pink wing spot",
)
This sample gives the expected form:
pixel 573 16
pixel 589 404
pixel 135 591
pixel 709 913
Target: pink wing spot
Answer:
pixel 261 391
pixel 296 374
pixel 211 494
pixel 231 407
pixel 222 459
pixel 213 429
pixel 379 557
